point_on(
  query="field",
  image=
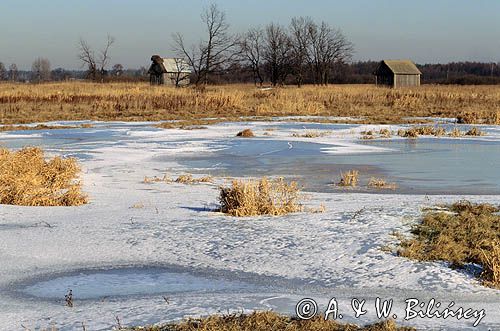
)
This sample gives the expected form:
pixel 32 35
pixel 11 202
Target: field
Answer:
pixel 23 103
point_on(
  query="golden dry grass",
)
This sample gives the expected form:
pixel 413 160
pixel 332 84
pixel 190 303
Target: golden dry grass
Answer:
pixel 463 233
pixel 42 127
pixel 380 183
pixel 269 321
pixel 247 133
pixel 311 134
pixel 183 179
pixel 24 103
pixel 260 197
pixel 28 179
pixel 349 178
pixel 437 131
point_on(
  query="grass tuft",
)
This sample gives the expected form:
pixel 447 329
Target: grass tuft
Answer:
pixel 247 133
pixel 349 178
pixel 260 197
pixel 463 233
pixel 380 183
pixel 28 179
pixel 183 179
pixel 266 321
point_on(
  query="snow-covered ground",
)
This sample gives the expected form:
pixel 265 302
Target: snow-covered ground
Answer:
pixel 140 231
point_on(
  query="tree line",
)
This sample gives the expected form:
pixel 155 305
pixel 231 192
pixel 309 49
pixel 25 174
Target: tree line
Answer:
pixel 303 52
pixel 274 53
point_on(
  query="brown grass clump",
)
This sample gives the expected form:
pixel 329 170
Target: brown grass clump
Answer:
pixel 380 183
pixel 189 179
pixel 456 133
pixel 461 234
pixel 385 133
pixel 474 131
pixel 27 179
pixel 247 133
pixel 42 127
pixel 349 178
pixel 260 197
pixel 311 134
pixel 267 321
pixel 183 179
pixel 409 133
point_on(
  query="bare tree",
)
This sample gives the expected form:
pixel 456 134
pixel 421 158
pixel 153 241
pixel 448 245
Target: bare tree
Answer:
pixel 3 72
pixel 251 47
pixel 300 42
pixel 328 48
pixel 181 74
pixel 13 72
pixel 96 65
pixel 40 70
pixel 117 69
pixel 215 52
pixel 277 53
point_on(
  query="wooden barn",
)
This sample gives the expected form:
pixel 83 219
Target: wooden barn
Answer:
pixel 397 73
pixel 169 71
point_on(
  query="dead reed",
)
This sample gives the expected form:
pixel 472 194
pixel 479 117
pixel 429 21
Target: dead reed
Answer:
pixel 24 103
pixel 183 179
pixel 28 179
pixel 260 197
pixel 42 127
pixel 462 233
pixel 380 183
pixel 267 321
pixel 247 133
pixel 349 178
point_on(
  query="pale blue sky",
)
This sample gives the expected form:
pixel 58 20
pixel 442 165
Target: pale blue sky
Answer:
pixel 427 31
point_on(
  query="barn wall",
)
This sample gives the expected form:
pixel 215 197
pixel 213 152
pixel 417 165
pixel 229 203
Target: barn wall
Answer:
pixel 406 80
pixel 170 78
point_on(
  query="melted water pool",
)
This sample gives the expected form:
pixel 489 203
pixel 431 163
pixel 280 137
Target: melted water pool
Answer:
pixel 128 282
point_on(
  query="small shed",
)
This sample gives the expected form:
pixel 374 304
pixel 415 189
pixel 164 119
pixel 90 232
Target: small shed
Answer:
pixel 397 73
pixel 169 71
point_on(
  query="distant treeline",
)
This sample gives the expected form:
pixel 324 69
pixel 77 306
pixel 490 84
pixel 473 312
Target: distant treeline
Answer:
pixel 460 73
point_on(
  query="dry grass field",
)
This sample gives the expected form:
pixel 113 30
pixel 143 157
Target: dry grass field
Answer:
pixel 265 321
pixel 25 103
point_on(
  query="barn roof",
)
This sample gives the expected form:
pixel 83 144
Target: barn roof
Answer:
pixel 402 67
pixel 176 65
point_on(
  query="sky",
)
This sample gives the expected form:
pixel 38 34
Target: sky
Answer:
pixel 426 31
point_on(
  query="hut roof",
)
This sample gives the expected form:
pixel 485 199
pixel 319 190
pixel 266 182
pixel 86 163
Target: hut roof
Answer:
pixel 176 65
pixel 402 67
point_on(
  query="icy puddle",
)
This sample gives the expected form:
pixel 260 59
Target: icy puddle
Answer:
pixel 417 166
pixel 129 282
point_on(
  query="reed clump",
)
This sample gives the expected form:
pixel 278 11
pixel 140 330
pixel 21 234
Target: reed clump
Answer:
pixel 183 179
pixel 349 178
pixel 27 178
pixel 42 127
pixel 380 183
pixel 267 321
pixel 260 197
pixel 462 233
pixel 474 131
pixel 247 133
